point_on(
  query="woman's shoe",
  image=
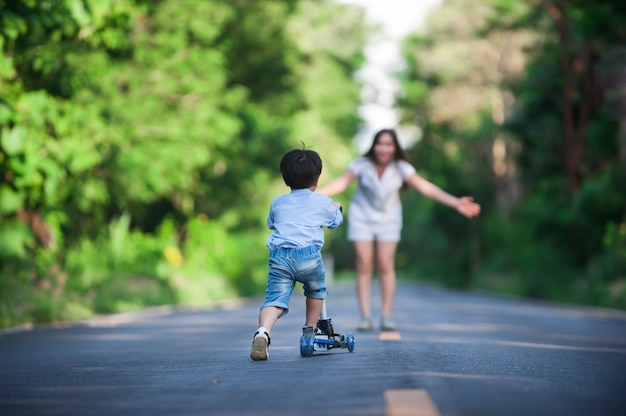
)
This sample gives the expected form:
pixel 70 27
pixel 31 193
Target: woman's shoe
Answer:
pixel 387 324
pixel 366 324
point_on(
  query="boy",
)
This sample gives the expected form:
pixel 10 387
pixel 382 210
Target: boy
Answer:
pixel 297 220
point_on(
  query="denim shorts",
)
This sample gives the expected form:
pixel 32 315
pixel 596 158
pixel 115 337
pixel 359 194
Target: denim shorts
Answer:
pixel 288 266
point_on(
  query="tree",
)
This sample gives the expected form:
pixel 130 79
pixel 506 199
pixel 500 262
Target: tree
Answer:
pixel 139 143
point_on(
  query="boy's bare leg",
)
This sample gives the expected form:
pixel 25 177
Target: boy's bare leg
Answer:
pixel 268 317
pixel 313 311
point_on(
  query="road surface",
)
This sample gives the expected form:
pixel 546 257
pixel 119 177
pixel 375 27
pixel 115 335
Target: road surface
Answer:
pixel 454 354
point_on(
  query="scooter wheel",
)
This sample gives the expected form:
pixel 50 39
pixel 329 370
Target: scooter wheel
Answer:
pixel 306 346
pixel 350 341
pixel 303 346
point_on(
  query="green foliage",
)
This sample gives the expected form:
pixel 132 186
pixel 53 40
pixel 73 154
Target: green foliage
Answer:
pixel 450 87
pixel 139 144
pixel 15 237
pixel 607 271
pixel 228 264
pixel 547 216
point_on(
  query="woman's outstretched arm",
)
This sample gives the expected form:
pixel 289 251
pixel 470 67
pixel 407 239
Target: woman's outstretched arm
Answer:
pixel 338 185
pixel 464 205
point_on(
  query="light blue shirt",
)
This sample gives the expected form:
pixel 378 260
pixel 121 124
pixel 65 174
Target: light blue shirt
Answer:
pixel 297 219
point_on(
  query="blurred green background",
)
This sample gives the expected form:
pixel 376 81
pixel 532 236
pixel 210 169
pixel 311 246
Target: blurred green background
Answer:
pixel 140 142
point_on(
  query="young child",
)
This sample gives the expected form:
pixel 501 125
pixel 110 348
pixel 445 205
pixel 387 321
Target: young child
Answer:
pixel 297 220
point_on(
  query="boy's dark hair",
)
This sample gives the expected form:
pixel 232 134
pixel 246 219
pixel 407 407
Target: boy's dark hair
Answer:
pixel 301 168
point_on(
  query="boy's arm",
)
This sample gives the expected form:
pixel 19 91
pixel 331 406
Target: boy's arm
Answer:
pixel 337 219
pixel 270 220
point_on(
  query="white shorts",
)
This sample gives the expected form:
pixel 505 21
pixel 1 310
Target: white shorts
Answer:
pixel 364 231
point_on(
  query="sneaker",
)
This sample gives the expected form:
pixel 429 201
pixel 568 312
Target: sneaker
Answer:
pixel 260 343
pixel 387 324
pixel 366 324
pixel 308 331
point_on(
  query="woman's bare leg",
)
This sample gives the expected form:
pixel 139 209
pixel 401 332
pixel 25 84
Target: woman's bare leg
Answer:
pixel 386 259
pixel 364 251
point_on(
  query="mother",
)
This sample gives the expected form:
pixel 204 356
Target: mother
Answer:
pixel 375 215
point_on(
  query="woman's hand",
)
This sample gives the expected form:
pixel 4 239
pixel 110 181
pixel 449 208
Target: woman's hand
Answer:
pixel 467 207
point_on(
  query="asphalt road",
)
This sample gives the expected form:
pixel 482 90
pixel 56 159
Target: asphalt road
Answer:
pixel 453 354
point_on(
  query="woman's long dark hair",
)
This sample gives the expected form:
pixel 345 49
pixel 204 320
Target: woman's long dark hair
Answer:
pixel 398 154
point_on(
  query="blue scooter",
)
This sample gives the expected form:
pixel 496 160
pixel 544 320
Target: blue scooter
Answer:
pixel 323 337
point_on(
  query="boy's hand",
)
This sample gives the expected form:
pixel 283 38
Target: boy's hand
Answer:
pixel 468 207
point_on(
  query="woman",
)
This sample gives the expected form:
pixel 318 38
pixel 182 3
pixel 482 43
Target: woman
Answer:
pixel 375 215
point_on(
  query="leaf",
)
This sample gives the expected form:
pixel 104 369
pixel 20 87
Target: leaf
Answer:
pixel 79 13
pixel 10 201
pixel 15 235
pixel 14 140
pixel 6 111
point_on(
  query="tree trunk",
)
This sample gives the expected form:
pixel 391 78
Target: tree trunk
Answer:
pixel 572 150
